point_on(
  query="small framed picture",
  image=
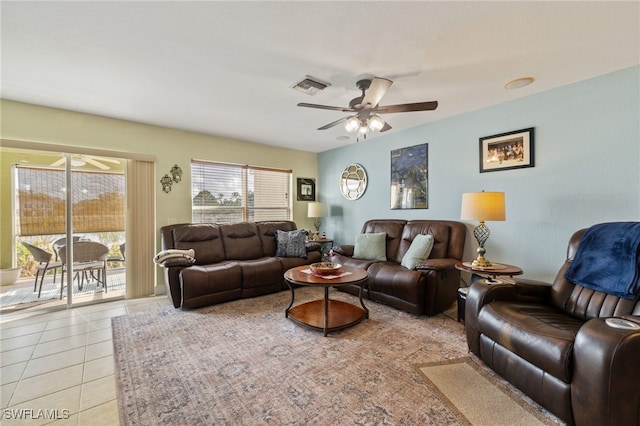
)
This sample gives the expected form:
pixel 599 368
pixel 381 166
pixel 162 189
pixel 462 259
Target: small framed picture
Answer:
pixel 306 189
pixel 506 151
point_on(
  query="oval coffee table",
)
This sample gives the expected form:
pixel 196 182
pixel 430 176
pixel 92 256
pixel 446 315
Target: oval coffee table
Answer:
pixel 326 314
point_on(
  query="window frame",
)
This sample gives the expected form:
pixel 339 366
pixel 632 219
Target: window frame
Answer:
pixel 246 210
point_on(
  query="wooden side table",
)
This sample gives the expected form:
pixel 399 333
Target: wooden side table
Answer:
pixel 493 271
pixel 490 274
pixel 326 245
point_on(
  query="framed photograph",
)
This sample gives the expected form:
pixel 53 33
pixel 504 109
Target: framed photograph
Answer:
pixel 409 177
pixel 506 151
pixel 306 189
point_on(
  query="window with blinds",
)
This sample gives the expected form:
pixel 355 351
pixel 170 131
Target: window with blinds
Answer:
pixel 230 193
pixel 98 201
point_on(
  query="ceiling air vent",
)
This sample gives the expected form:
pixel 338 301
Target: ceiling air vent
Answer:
pixel 310 86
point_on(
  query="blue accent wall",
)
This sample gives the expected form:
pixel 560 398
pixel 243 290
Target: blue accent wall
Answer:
pixel 587 171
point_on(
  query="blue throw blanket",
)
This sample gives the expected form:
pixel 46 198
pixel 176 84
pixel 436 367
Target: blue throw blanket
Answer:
pixel 608 259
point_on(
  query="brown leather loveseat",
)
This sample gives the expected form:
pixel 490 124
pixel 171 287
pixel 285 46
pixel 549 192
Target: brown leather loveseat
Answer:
pixel 559 343
pixel 232 261
pixel 428 288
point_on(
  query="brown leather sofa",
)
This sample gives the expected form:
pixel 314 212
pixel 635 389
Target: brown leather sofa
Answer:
pixel 233 261
pixel 553 342
pixel 431 286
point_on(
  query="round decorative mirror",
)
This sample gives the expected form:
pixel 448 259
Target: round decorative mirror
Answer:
pixel 353 182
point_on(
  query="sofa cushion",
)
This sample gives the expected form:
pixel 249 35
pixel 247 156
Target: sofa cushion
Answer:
pixel 371 247
pixel 391 284
pixel 540 334
pixel 267 231
pixel 418 251
pixel 204 239
pixel 291 243
pixel 394 230
pixel 441 232
pixel 261 276
pixel 241 241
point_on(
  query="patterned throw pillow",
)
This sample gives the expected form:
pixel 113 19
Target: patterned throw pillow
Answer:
pixel 291 243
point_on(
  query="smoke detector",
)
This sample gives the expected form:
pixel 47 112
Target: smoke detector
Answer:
pixel 310 86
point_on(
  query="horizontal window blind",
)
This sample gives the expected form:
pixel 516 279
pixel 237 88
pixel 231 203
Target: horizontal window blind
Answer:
pixel 98 200
pixel 231 193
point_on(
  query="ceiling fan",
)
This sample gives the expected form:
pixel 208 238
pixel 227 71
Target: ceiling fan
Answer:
pixel 366 108
pixel 79 160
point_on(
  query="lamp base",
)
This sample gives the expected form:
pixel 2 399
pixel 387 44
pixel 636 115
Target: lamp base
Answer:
pixel 480 262
pixel 481 232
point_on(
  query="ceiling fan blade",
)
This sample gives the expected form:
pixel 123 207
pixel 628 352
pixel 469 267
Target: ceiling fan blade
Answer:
pixel 333 123
pixel 418 106
pixel 59 162
pixel 376 91
pixel 385 127
pixel 95 163
pixel 103 159
pixel 332 108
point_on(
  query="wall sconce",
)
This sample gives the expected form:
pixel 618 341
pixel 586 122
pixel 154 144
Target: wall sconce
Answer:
pixel 176 172
pixel 166 182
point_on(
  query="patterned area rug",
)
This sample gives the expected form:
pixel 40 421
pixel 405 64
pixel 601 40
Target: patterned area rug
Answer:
pixel 244 363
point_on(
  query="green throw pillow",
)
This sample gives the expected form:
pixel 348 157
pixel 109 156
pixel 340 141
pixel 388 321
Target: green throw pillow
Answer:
pixel 371 247
pixel 420 250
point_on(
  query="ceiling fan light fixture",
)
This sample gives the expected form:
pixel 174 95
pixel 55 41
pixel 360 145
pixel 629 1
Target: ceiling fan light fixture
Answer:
pixel 76 162
pixel 363 130
pixel 375 123
pixel 352 124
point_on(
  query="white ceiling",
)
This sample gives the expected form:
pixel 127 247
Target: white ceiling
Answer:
pixel 226 68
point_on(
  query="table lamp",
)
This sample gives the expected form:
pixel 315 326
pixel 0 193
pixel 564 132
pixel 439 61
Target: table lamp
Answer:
pixel 317 210
pixel 482 206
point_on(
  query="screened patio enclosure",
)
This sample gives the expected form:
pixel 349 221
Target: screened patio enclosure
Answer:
pixel 94 189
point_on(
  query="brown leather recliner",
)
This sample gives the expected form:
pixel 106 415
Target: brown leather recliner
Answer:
pixel 431 286
pixel 554 343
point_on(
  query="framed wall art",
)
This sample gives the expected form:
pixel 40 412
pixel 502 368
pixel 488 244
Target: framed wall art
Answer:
pixel 409 177
pixel 506 151
pixel 306 189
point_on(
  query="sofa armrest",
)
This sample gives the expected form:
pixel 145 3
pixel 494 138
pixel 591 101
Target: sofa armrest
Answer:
pixel 175 262
pixel 604 389
pixel 481 293
pixel 436 264
pixel 344 250
pixel 313 246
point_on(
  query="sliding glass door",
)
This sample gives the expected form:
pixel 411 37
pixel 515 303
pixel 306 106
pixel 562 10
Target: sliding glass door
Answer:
pixel 71 207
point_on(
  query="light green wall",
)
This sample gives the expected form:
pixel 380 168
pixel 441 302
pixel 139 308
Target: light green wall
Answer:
pixel 53 126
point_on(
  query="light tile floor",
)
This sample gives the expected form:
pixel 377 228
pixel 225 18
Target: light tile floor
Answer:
pixel 57 367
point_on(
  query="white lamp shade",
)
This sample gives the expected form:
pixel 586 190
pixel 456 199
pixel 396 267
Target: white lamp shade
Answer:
pixel 317 210
pixel 483 206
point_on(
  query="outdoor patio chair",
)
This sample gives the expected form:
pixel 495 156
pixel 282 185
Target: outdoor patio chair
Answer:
pixel 43 258
pixel 89 260
pixel 60 242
